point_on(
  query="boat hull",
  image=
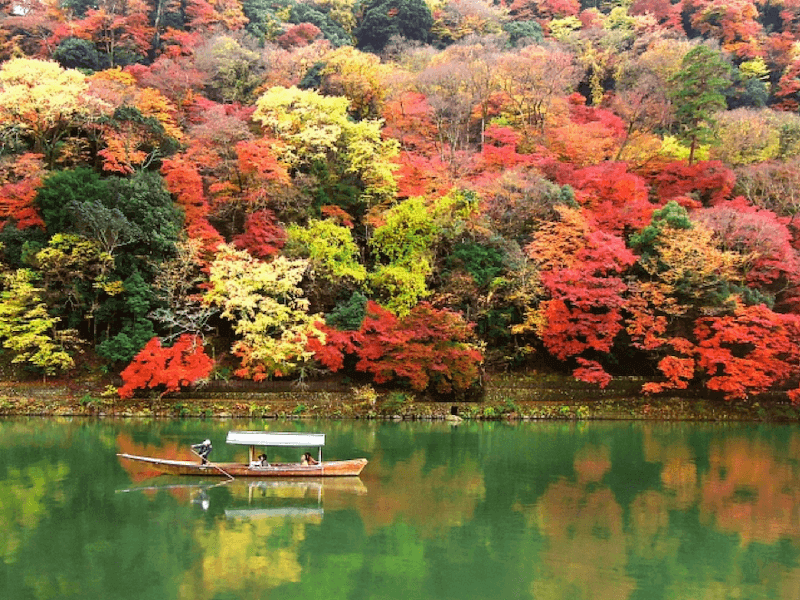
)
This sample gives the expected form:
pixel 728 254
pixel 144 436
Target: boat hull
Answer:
pixel 330 468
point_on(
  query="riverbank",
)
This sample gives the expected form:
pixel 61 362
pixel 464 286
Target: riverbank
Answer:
pixel 508 397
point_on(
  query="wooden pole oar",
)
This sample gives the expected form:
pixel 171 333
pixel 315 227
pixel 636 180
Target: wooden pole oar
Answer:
pixel 220 469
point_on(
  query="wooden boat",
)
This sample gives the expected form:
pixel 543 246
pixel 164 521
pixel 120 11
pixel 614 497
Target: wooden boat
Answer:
pixel 260 468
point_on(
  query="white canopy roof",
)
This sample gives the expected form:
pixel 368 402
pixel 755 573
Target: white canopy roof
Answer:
pixel 269 438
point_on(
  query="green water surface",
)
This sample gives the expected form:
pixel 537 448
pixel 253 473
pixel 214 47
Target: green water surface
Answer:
pixel 489 511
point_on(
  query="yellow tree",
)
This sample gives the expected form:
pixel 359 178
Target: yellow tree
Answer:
pixel 320 138
pixel 406 243
pixel 268 309
pixel 331 250
pixel 358 76
pixel 750 136
pixel 69 266
pixel 335 270
pixel 341 11
pixel 41 102
pixel 455 20
pixel 26 328
pixel 232 67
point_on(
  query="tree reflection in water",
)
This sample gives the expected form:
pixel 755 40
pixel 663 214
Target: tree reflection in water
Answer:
pixel 547 510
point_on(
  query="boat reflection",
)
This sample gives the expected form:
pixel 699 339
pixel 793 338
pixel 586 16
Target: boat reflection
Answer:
pixel 301 495
pixel 276 498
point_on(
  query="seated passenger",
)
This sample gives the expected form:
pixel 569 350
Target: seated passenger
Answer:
pixel 260 461
pixel 308 460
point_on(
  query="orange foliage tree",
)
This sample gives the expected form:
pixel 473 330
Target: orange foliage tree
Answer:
pixel 20 178
pixel 684 315
pixel 120 30
pixel 134 125
pixel 733 22
pixel 185 184
pixel 587 136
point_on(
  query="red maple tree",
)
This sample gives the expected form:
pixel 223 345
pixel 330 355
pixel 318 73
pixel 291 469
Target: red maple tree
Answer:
pixel 616 198
pixel 709 181
pixel 428 348
pixel 581 273
pixel 173 367
pixel 184 182
pixel 749 351
pixel 263 236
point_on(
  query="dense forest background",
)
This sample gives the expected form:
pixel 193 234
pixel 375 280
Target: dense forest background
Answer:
pixel 407 190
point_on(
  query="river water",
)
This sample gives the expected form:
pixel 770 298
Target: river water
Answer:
pixel 484 511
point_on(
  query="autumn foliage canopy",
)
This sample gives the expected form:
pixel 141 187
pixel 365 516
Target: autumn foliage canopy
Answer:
pixel 418 197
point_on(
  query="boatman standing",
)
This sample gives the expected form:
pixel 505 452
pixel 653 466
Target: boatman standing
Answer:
pixel 203 450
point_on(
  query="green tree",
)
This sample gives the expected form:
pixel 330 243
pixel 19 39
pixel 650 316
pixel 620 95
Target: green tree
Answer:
pixel 348 315
pixel 145 202
pixel 77 53
pixel 61 190
pixel 308 13
pixel 108 227
pixel 135 212
pixel 136 224
pixel 523 31
pixel 264 17
pixel 127 314
pixel 383 19
pixel 699 93
pixel 482 262
pixel 671 216
pixel 19 244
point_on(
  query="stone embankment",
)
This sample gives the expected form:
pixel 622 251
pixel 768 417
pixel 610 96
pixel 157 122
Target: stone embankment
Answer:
pixel 508 397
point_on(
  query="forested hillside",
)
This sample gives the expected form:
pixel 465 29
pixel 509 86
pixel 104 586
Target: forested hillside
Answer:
pixel 416 191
